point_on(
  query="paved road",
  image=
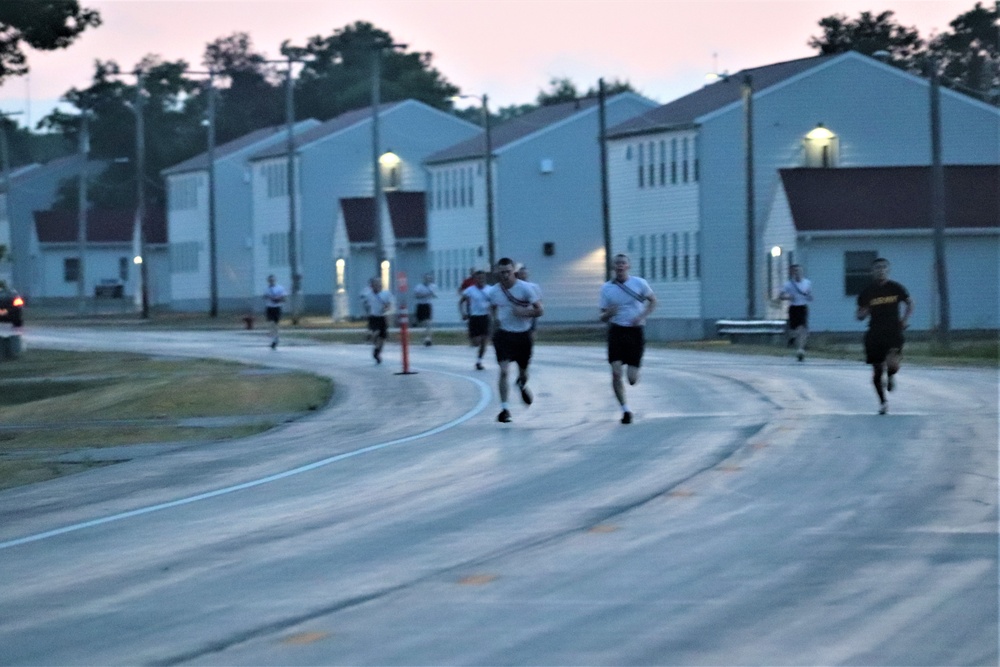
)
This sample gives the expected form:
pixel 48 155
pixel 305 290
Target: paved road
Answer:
pixel 757 513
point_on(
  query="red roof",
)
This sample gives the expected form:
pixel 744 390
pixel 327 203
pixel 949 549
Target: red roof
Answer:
pixel 889 198
pixel 103 226
pixel 407 212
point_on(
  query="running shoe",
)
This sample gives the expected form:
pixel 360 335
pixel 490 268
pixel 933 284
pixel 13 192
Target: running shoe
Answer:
pixel 504 416
pixel 378 356
pixel 801 355
pixel 883 408
pixel 428 343
pixel 525 392
pixel 274 345
pixel 626 417
pixel 479 366
pixel 890 384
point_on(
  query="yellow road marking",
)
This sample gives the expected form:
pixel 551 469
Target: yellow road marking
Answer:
pixel 305 638
pixel 477 579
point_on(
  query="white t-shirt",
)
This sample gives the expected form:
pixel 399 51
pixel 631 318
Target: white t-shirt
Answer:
pixel 521 294
pixel 479 303
pixel 377 303
pixel 629 307
pixel 423 292
pixel 799 292
pixel 274 296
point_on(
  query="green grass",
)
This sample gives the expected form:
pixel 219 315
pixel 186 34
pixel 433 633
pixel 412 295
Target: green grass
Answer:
pixel 54 403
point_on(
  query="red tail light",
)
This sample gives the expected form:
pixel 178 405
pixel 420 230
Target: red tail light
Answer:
pixel 18 302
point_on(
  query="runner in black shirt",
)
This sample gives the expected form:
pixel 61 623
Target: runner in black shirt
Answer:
pixel 884 339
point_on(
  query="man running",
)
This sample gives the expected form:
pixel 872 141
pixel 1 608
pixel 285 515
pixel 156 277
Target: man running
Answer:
pixel 797 291
pixel 626 302
pixel 274 296
pixel 515 305
pixel 423 294
pixel 884 339
pixel 377 303
pixel 474 307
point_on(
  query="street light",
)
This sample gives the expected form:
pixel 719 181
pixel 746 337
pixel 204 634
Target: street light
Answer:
pixel 377 48
pixel 488 166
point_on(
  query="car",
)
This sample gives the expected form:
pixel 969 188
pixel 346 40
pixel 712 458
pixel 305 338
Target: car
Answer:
pixel 11 307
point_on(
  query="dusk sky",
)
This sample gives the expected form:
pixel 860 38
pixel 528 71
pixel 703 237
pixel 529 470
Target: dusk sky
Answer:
pixel 508 49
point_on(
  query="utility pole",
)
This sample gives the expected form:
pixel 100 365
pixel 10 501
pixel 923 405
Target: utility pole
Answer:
pixel 605 205
pixel 293 250
pixel 140 177
pixel 5 164
pixel 938 213
pixel 213 278
pixel 81 229
pixel 491 234
pixel 376 167
pixel 750 216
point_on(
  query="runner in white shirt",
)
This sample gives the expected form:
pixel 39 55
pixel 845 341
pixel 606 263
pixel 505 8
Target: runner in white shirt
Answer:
pixel 423 294
pixel 274 296
pixel 798 293
pixel 474 307
pixel 515 306
pixel 626 302
pixel 377 302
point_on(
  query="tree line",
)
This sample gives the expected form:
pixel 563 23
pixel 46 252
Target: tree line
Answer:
pixel 333 76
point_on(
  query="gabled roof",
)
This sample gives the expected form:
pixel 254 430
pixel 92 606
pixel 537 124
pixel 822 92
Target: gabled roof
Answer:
pixel 103 226
pixel 336 124
pixel 512 130
pixel 200 162
pixel 686 110
pixel 407 212
pixel 890 198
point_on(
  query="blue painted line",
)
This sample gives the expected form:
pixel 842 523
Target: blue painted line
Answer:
pixel 485 395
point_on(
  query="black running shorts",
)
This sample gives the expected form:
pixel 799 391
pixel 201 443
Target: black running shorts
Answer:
pixel 377 325
pixel 513 346
pixel 878 344
pixel 626 344
pixel 798 316
pixel 479 325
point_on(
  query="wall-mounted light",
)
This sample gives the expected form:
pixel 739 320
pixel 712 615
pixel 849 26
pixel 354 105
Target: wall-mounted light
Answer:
pixel 820 147
pixel 776 251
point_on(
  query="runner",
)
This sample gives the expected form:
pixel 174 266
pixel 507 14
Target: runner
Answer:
pixel 423 294
pixel 274 296
pixel 884 339
pixel 626 302
pixel 377 303
pixel 515 306
pixel 474 307
pixel 797 291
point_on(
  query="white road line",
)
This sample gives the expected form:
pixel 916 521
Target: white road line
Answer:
pixel 485 395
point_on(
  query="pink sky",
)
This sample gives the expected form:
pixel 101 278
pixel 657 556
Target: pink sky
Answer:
pixel 508 49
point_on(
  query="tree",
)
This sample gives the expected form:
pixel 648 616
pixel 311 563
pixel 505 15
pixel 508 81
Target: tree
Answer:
pixel 969 55
pixel 249 87
pixel 40 24
pixel 560 90
pixel 869 34
pixel 336 75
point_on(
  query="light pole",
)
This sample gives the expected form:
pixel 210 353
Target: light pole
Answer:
pixel 376 83
pixel 488 166
pixel 293 251
pixel 750 214
pixel 140 171
pixel 5 162
pixel 602 120
pixel 938 215
pixel 213 278
pixel 81 229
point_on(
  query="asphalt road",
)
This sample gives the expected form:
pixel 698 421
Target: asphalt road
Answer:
pixel 758 512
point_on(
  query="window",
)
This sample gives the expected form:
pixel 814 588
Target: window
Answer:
pixel 697 165
pixel 183 193
pixel 642 256
pixel 674 263
pixel 685 159
pixel 123 269
pixel 642 165
pixel 471 202
pixel 665 251
pixel 71 269
pixel 652 165
pixel 697 255
pixel 687 255
pixel 857 270
pixel 461 188
pixel 184 257
pixel 663 162
pixel 437 190
pixel 820 147
pixel 673 160
pixel 277 249
pixel 276 174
